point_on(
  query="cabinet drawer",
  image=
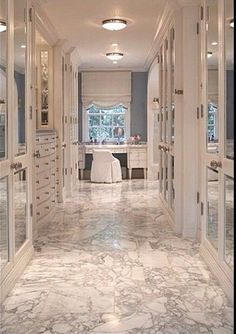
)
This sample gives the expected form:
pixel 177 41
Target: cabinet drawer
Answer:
pixel 42 179
pixel 138 164
pixel 43 194
pixel 42 164
pixel 43 209
pixel 138 156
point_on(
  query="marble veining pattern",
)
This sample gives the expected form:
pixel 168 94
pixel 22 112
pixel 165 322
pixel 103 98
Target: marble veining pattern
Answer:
pixel 110 263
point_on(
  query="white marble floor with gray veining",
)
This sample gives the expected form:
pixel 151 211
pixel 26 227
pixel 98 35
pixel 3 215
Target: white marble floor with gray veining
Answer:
pixel 110 263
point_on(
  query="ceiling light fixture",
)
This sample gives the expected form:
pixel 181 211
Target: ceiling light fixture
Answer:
pixel 231 23
pixel 214 43
pixel 114 24
pixel 209 54
pixel 23 46
pixel 114 55
pixel 3 26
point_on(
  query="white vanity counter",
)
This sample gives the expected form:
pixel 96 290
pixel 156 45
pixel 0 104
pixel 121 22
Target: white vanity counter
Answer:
pixel 136 155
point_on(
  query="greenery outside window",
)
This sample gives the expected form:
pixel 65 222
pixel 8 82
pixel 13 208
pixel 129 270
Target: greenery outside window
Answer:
pixel 106 123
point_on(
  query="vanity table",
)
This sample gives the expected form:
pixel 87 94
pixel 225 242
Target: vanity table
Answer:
pixel 136 155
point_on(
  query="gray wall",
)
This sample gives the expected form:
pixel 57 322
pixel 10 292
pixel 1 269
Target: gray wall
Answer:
pixel 138 105
pixel 230 104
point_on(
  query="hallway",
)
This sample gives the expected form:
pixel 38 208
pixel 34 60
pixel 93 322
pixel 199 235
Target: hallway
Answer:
pixel 110 263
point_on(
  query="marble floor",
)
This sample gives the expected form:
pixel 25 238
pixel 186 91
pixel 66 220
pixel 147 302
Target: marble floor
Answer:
pixel 109 263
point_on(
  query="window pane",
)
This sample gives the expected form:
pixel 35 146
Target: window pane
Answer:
pixel 93 110
pixel 212 75
pixel 4 221
pixel 106 120
pixel 229 103
pixel 3 83
pixel 20 44
pixel 106 133
pixel 94 132
pixel 212 209
pixel 119 120
pixel 94 120
pixel 229 221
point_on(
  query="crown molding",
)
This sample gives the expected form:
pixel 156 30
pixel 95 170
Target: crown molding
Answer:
pixel 163 22
pixel 44 25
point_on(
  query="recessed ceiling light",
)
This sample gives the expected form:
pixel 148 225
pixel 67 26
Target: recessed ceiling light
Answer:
pixel 114 55
pixel 114 24
pixel 3 26
pixel 214 43
pixel 114 44
pixel 231 23
pixel 114 62
pixel 23 46
pixel 209 54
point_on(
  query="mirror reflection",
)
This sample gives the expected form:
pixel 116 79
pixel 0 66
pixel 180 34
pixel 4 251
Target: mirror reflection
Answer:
pixel 20 203
pixel 229 73
pixel 212 206
pixel 212 125
pixel 20 56
pixel 172 51
pixel 3 222
pixel 166 90
pixel 42 81
pixel 3 81
pixel 229 221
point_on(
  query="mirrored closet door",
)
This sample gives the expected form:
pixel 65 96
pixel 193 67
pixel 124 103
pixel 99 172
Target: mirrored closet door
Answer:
pixel 166 119
pixel 218 127
pixel 15 133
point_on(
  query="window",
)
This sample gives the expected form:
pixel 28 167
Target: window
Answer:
pixel 212 110
pixel 107 123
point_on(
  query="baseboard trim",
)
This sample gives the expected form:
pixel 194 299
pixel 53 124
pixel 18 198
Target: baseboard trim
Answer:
pixel 10 280
pixel 217 271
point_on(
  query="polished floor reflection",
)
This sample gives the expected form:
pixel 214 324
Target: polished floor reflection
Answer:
pixel 110 263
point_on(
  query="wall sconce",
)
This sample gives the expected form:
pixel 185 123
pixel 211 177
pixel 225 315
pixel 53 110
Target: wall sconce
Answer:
pixel 155 103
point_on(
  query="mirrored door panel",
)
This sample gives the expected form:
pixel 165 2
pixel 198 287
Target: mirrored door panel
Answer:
pixel 3 80
pixel 166 91
pixel 4 223
pixel 172 187
pixel 165 176
pixel 161 94
pixel 229 79
pixel 212 206
pixel 172 67
pixel 212 119
pixel 20 58
pixel 20 203
pixel 229 221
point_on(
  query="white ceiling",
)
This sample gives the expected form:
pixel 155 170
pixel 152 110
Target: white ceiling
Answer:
pixel 79 22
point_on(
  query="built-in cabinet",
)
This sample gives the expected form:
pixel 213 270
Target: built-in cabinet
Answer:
pixel 217 128
pixel 46 177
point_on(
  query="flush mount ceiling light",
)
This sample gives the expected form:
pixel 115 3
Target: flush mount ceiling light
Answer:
pixel 114 24
pixel 114 55
pixel 214 43
pixel 209 54
pixel 231 23
pixel 3 26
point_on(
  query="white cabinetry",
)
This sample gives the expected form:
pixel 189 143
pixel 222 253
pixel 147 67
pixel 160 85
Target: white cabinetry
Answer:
pixel 45 171
pixel 137 158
